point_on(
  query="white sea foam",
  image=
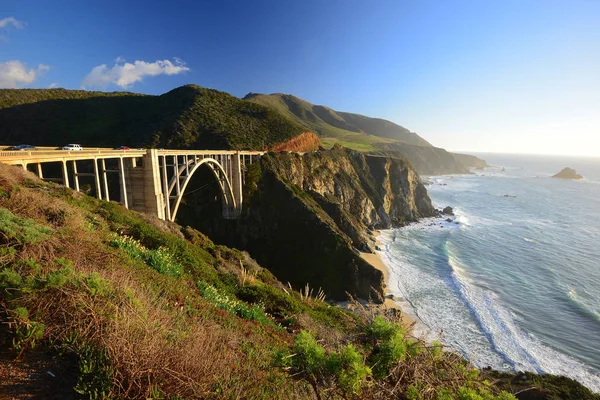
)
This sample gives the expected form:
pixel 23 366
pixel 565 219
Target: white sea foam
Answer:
pixel 523 351
pixel 441 317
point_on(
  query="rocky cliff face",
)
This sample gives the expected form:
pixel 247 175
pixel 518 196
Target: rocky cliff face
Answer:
pixel 305 216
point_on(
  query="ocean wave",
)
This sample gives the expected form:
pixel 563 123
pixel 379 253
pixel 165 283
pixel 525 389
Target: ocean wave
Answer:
pixel 523 351
pixel 581 305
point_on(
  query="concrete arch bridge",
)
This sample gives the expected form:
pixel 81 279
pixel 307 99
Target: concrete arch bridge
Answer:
pixel 152 181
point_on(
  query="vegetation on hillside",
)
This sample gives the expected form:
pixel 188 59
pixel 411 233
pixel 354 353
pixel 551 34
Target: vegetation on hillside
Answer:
pixel 350 130
pixel 187 117
pixel 365 134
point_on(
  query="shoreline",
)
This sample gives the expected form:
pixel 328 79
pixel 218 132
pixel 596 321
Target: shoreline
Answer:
pixel 406 319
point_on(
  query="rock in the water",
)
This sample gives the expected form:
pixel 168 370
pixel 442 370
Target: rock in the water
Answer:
pixel 448 219
pixel 448 210
pixel 568 173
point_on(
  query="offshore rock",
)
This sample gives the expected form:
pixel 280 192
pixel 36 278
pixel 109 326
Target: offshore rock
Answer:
pixel 448 210
pixel 568 173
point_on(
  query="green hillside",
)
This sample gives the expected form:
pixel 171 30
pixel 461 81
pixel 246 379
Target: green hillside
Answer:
pixel 351 130
pixel 373 135
pixel 189 116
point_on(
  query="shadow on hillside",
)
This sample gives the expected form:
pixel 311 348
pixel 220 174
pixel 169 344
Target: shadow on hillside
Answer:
pixel 96 121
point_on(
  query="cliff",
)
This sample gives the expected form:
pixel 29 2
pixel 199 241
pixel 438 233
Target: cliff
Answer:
pixel 305 216
pixel 470 161
pixel 426 160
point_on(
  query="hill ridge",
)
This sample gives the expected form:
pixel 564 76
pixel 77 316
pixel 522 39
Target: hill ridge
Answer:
pixel 189 116
pixel 328 122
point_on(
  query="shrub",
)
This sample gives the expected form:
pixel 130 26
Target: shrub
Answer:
pixel 275 301
pixel 95 373
pixel 22 230
pixel 390 345
pixel 309 356
pixel 160 259
pixel 234 306
pixel 9 278
pixel 26 332
pixel 349 370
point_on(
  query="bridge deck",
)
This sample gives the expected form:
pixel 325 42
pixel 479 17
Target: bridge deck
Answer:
pixel 46 155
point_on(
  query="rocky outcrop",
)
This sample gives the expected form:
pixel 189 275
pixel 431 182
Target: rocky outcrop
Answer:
pixel 470 161
pixel 306 216
pixel 568 173
pixel 429 160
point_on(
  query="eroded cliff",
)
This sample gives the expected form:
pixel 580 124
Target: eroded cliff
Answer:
pixel 306 215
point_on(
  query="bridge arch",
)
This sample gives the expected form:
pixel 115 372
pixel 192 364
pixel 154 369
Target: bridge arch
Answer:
pixel 184 174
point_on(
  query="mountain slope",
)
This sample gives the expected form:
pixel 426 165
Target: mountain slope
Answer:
pixel 186 117
pixel 334 124
pixel 366 134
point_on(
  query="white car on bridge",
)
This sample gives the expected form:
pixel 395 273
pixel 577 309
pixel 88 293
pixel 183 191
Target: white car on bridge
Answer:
pixel 72 146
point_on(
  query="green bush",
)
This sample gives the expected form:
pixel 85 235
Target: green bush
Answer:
pixel 160 259
pixel 309 356
pixel 390 345
pixel 9 278
pixel 62 276
pixel 274 301
pixel 349 370
pixel 26 332
pixel 234 306
pixel 23 230
pixel 95 373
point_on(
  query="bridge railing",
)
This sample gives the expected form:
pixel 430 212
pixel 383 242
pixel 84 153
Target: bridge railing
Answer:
pixel 67 154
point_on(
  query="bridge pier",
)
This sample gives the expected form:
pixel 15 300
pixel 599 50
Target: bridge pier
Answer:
pixel 65 173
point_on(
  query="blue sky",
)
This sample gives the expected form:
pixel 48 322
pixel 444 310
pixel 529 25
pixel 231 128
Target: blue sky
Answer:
pixel 500 76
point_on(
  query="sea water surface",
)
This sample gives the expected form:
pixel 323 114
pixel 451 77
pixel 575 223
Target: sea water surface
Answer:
pixel 516 283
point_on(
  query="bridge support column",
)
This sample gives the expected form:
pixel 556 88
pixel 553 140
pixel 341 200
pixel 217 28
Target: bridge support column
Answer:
pixel 104 180
pixel 65 174
pixel 97 180
pixel 123 183
pixel 236 182
pixel 75 175
pixel 153 194
pixel 39 170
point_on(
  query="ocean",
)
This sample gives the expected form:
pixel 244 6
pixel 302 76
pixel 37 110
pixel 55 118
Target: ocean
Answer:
pixel 515 284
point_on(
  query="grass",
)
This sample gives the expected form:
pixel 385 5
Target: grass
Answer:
pixel 22 230
pixel 353 129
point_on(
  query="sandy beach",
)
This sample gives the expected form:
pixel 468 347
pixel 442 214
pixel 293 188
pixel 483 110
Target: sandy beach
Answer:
pixel 377 262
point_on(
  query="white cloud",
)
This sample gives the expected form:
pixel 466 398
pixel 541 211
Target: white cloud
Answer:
pixel 125 74
pixel 53 85
pixel 6 22
pixel 14 74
